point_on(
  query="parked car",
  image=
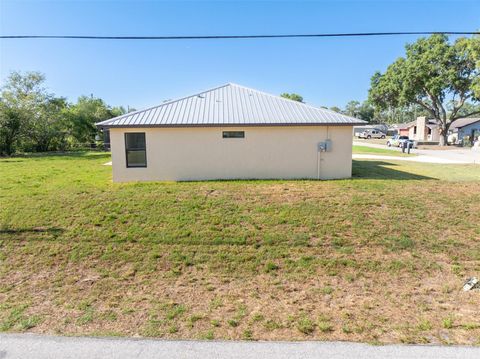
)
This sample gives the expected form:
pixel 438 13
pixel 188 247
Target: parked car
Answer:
pixel 371 134
pixel 397 140
pixel 410 143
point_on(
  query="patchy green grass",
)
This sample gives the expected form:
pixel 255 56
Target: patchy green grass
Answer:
pixel 379 151
pixel 379 258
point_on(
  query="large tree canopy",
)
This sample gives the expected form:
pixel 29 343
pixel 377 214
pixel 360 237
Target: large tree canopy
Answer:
pixel 438 76
pixel 85 113
pixel 363 111
pixel 32 119
pixel 24 101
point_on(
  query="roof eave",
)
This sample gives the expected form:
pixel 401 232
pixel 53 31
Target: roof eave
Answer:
pixel 465 125
pixel 234 125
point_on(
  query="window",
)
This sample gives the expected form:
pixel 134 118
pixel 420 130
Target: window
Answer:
pixel 135 149
pixel 233 134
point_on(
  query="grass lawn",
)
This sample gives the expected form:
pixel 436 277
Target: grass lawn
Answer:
pixel 379 151
pixel 379 258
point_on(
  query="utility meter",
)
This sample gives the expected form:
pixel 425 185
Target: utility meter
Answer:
pixel 325 146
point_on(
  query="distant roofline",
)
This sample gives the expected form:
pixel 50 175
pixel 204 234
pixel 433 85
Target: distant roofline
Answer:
pixel 474 120
pixel 406 125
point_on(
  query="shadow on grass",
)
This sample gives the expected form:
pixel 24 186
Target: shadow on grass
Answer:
pixel 36 232
pixel 379 170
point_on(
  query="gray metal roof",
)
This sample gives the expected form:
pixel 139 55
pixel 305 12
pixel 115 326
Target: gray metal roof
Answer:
pixel 462 122
pixel 230 105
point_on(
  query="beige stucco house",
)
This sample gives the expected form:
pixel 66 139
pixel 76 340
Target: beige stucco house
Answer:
pixel 230 132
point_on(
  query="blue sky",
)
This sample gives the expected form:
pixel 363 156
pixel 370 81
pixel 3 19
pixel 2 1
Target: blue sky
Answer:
pixel 326 72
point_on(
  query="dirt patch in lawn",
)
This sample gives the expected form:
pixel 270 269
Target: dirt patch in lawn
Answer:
pixel 373 298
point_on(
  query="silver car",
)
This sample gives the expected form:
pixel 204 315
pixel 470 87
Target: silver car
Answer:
pixel 397 141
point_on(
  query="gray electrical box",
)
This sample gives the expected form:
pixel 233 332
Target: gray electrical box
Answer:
pixel 328 145
pixel 325 146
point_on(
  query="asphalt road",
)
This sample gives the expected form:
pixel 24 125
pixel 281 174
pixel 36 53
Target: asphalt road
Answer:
pixel 16 346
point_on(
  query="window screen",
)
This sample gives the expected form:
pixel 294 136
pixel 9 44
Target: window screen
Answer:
pixel 233 134
pixel 135 149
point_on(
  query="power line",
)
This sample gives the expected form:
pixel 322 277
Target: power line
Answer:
pixel 216 37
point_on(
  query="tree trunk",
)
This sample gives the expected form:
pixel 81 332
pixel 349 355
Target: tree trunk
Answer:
pixel 9 147
pixel 10 139
pixel 443 139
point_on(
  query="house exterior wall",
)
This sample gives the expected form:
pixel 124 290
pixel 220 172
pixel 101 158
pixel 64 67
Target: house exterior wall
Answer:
pixel 435 136
pixel 176 154
pixel 412 133
pixel 420 131
pixel 467 130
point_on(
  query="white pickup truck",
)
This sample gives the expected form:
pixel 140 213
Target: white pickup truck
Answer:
pixel 371 134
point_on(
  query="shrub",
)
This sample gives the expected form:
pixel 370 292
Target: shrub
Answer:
pixel 305 325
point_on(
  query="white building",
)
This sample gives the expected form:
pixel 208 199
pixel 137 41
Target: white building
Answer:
pixel 231 132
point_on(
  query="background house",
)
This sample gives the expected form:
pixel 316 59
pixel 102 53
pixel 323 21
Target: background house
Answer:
pixel 231 132
pixel 422 130
pixel 426 131
pixel 465 130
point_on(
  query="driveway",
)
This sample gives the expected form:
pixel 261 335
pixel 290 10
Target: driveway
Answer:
pixel 16 346
pixel 458 156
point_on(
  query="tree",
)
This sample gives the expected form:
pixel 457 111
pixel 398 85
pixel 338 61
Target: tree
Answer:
pixel 336 109
pixel 120 110
pixel 398 114
pixel 474 47
pixel 32 119
pixel 11 120
pixel 352 108
pixel 22 98
pixel 85 113
pixel 48 131
pixel 292 96
pixel 468 109
pixel 364 111
pixel 437 76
